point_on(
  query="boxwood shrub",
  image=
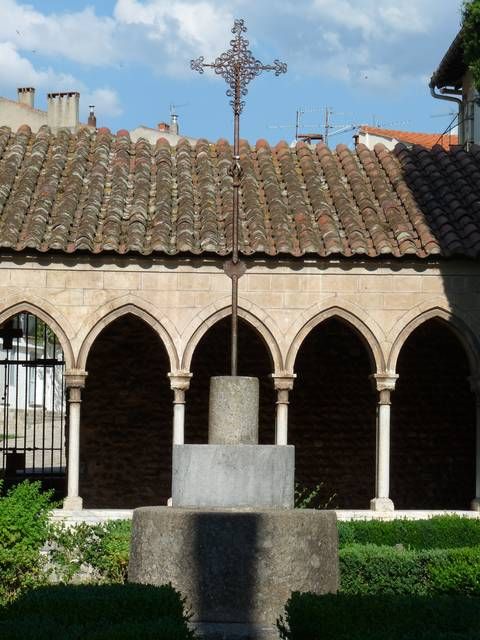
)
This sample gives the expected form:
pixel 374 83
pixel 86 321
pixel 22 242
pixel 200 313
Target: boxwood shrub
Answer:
pixel 308 616
pixel 126 612
pixel 371 570
pixel 439 532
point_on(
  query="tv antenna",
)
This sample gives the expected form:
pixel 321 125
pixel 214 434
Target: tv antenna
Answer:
pixel 173 108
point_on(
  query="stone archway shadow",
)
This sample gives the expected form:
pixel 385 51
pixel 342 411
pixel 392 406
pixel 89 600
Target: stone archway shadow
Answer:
pixel 106 314
pixel 456 320
pixel 364 326
pixel 210 316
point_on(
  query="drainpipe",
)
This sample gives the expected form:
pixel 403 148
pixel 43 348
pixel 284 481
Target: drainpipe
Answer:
pixel 445 94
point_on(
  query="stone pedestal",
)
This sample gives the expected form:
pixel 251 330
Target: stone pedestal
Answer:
pixel 235 566
pixel 231 543
pixel 210 475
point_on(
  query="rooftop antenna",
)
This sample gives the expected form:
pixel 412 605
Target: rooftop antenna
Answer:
pixel 238 67
pixel 174 117
pixel 173 108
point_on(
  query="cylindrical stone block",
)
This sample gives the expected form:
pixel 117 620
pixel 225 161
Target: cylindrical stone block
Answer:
pixel 233 410
pixel 235 566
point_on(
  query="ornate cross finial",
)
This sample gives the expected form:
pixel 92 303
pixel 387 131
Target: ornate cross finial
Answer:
pixel 238 67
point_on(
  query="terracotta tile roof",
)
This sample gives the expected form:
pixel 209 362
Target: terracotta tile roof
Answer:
pixel 427 140
pixel 98 192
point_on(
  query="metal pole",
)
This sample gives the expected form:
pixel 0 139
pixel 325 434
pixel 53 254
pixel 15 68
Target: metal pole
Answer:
pixel 236 174
pixel 238 67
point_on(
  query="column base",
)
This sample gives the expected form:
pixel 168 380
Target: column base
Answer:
pixel 381 504
pixel 73 503
pixel 475 504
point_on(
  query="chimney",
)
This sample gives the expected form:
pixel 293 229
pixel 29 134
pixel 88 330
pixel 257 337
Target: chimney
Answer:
pixel 26 95
pixel 92 120
pixel 163 126
pixel 174 124
pixel 62 110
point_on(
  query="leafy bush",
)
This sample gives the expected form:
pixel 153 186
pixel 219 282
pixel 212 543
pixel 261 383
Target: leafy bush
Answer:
pixel 24 529
pixel 102 547
pixel 440 532
pixel 471 38
pixel 316 497
pixel 344 617
pixel 101 612
pixel 372 570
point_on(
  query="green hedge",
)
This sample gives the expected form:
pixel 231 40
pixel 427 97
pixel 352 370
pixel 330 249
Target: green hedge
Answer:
pixel 342 617
pixel 440 532
pixel 372 570
pixel 101 612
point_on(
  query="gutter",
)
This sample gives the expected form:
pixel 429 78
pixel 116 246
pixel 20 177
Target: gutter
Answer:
pixel 444 94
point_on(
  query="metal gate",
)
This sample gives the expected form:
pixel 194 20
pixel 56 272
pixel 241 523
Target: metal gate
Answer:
pixel 32 402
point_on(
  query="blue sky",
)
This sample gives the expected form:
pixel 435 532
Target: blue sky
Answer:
pixel 366 60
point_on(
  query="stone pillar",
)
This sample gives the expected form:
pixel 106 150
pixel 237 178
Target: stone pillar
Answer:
pixel 384 384
pixel 179 383
pixel 75 382
pixel 475 386
pixel 283 383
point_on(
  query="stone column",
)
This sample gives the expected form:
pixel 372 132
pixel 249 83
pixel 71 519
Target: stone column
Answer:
pixel 75 382
pixel 475 386
pixel 283 383
pixel 384 384
pixel 179 383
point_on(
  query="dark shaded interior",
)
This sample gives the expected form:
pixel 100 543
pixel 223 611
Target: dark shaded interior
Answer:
pixel 332 416
pixel 212 358
pixel 433 423
pixel 126 423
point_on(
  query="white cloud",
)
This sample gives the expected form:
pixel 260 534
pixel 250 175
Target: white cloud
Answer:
pixel 17 71
pixel 106 102
pixel 180 28
pixel 80 36
pixel 349 40
pixel 382 20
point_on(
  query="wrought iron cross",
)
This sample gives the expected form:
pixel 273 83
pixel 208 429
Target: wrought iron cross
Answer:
pixel 238 67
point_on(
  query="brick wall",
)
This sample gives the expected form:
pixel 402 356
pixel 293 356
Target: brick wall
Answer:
pixel 433 423
pixel 212 358
pixel 332 416
pixel 126 427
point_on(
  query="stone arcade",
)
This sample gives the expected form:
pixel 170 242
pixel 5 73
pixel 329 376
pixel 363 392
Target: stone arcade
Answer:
pixel 361 297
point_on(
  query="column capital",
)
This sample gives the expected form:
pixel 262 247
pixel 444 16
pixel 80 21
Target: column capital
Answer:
pixel 384 381
pixel 283 381
pixel 179 380
pixel 75 378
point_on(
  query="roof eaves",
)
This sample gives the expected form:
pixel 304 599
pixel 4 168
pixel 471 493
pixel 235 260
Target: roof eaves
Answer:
pixel 452 67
